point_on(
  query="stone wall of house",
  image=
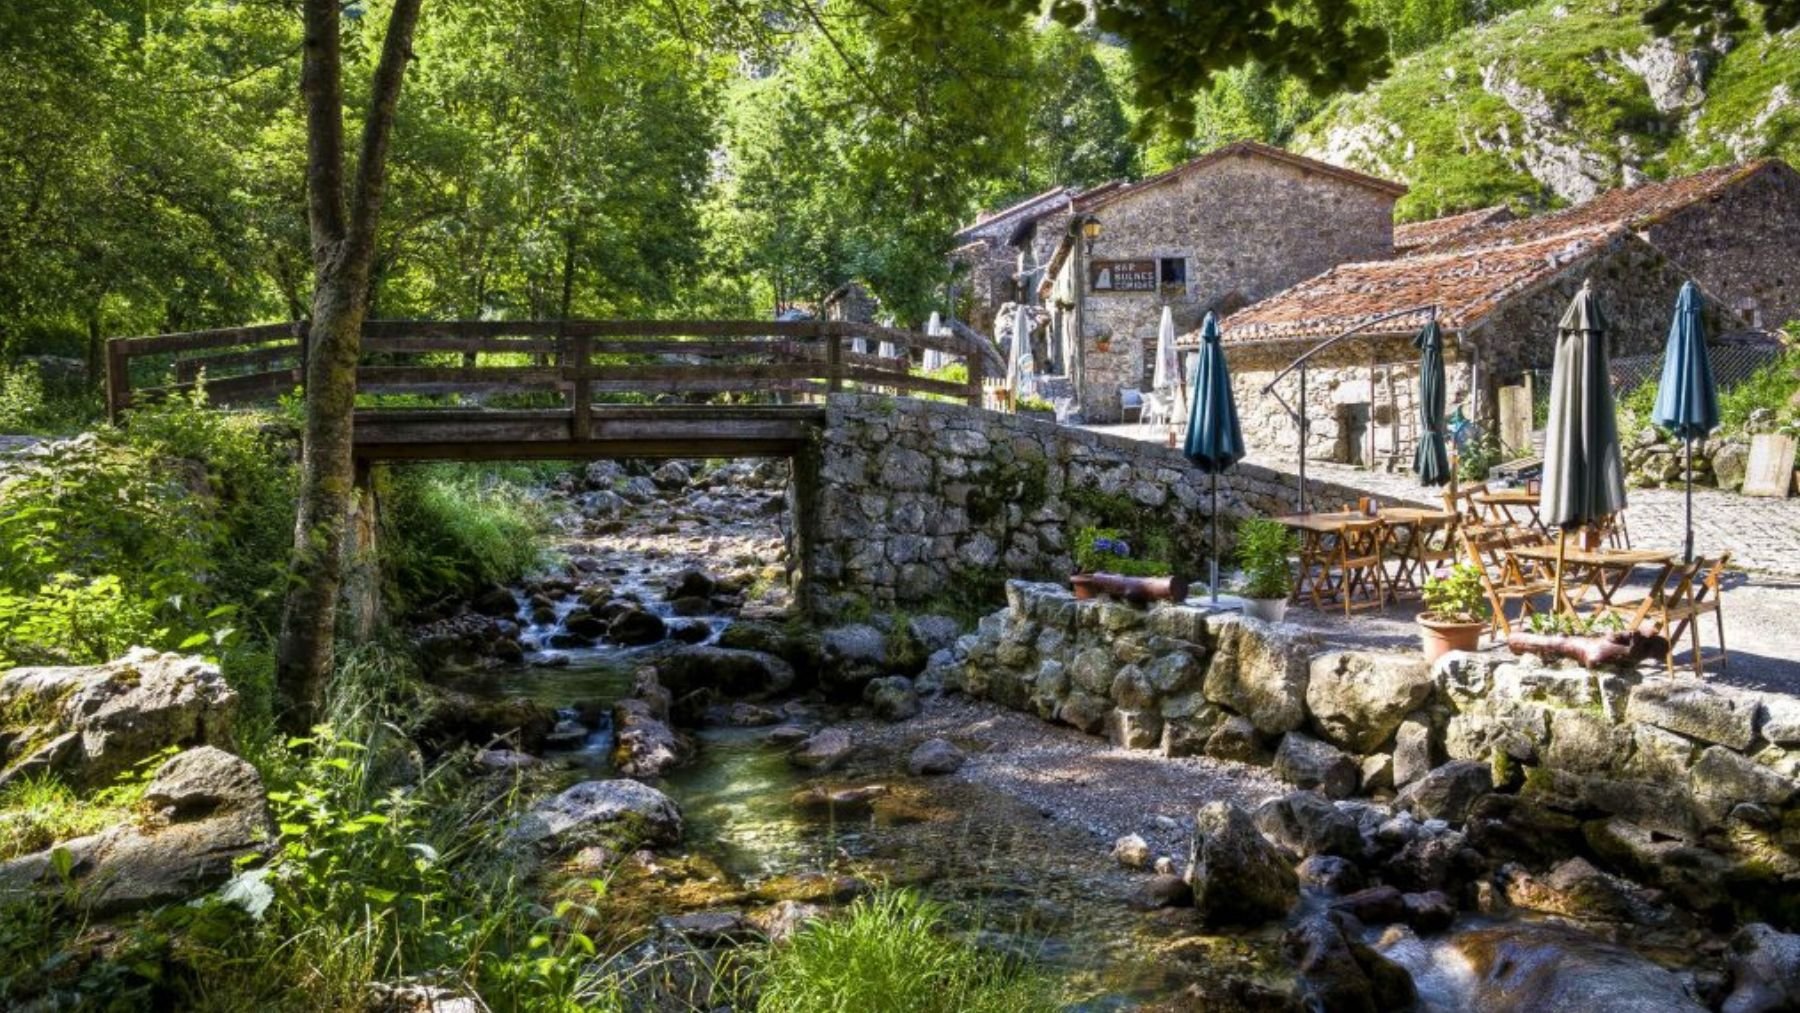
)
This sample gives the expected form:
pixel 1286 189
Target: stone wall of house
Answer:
pixel 1688 783
pixel 912 500
pixel 1247 226
pixel 1637 286
pixel 1744 246
pixel 1359 389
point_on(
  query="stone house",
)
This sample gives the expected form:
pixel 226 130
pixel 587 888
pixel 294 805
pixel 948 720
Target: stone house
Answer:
pixel 1000 257
pixel 1219 232
pixel 1498 307
pixel 1499 287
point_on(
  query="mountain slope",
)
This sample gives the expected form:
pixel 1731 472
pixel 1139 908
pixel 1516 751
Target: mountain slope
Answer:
pixel 1558 102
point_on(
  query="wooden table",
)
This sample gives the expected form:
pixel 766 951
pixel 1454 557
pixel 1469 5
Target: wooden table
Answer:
pixel 1410 530
pixel 1317 531
pixel 1592 568
pixel 1505 500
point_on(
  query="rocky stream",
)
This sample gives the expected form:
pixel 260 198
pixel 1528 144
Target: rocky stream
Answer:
pixel 796 767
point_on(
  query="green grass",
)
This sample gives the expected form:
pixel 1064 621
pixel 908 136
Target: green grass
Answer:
pixel 889 953
pixel 451 529
pixel 36 812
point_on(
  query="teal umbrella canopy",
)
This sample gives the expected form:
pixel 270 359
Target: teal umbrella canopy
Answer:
pixel 1584 475
pixel 1431 461
pixel 1687 398
pixel 1214 441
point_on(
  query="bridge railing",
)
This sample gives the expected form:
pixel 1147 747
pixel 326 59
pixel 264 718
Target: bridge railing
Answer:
pixel 576 361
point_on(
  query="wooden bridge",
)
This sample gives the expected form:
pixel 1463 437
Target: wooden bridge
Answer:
pixel 562 389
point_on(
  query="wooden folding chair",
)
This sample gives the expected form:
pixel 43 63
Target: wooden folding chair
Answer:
pixel 1355 566
pixel 1504 580
pixel 1688 591
pixel 1426 544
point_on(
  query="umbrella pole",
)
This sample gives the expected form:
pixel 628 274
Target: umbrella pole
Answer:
pixel 1215 539
pixel 1687 552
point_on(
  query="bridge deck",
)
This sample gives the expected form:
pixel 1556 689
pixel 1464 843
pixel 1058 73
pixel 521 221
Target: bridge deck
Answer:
pixel 613 431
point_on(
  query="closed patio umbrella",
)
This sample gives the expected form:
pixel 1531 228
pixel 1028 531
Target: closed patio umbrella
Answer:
pixel 1687 398
pixel 1584 476
pixel 1214 441
pixel 1167 374
pixel 1021 374
pixel 1431 461
pixel 934 359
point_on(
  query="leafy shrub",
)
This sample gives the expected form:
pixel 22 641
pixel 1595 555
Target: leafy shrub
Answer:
pixel 168 533
pixel 450 530
pixel 889 954
pixel 1263 547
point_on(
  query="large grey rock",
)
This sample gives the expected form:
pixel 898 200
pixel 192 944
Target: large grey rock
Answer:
pixel 1236 739
pixel 620 814
pixel 1696 709
pixel 1259 670
pixel 1358 698
pixel 1307 823
pixel 1765 971
pixel 1414 755
pixel 823 751
pixel 643 743
pixel 1237 876
pixel 1576 889
pixel 1722 776
pixel 209 817
pixel 1448 792
pixel 730 671
pixel 1310 763
pixel 1340 974
pixel 98 721
pixel 1545 968
pixel 892 698
pixel 933 633
pixel 935 756
pixel 635 627
pixel 851 656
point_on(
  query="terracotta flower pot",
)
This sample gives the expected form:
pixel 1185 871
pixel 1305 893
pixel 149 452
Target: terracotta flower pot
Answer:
pixel 1137 590
pixel 1438 637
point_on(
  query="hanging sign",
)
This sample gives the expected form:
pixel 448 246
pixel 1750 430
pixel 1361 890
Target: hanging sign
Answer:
pixel 1122 276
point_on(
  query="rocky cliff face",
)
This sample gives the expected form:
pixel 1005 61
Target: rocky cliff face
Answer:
pixel 1561 101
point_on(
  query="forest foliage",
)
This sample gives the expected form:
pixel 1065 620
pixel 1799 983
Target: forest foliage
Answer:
pixel 612 158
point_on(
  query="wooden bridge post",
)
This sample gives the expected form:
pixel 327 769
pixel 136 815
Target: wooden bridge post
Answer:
pixel 118 379
pixel 582 408
pixel 834 357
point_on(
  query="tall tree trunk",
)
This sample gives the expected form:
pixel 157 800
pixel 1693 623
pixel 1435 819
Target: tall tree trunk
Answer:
pixel 343 245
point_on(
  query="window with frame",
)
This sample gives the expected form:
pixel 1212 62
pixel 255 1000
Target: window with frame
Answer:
pixel 1171 271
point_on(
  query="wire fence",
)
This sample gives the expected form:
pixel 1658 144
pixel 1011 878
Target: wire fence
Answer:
pixel 1731 364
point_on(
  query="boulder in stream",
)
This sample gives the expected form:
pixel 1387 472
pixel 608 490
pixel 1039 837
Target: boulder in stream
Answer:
pixel 823 751
pixel 726 670
pixel 1765 971
pixel 892 698
pixel 1340 974
pixel 619 814
pixel 1238 877
pixel 1307 823
pixel 643 744
pixel 935 756
pixel 1544 968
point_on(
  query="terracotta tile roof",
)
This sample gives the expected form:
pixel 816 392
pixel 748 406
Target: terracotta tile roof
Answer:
pixel 1464 285
pixel 1415 235
pixel 1245 149
pixel 1636 207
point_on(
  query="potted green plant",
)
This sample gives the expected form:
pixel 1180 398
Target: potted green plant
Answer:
pixel 1263 547
pixel 1456 612
pixel 1105 565
pixel 1037 408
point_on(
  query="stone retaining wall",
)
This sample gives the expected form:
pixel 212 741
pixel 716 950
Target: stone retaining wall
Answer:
pixel 1666 775
pixel 915 500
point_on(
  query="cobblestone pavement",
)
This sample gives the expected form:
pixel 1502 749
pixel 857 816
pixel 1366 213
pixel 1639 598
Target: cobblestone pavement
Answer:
pixel 1761 604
